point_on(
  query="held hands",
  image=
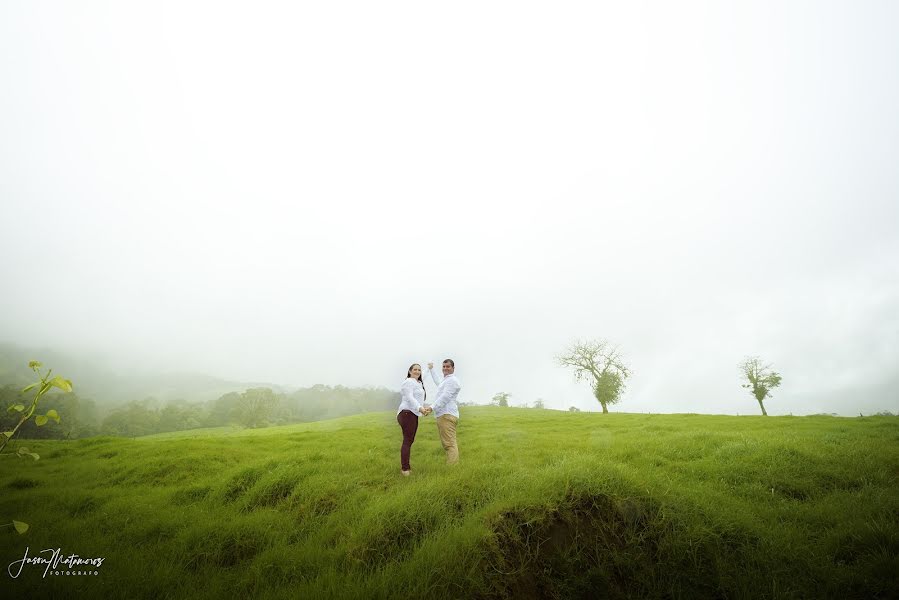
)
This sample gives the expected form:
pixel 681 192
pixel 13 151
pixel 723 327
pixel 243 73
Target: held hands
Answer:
pixel 426 410
pixel 430 365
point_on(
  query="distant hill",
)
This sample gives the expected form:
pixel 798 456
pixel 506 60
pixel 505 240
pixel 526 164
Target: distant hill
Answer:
pixel 92 380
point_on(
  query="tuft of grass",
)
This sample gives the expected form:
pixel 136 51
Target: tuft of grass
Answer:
pixel 81 505
pixel 190 495
pixel 23 483
pixel 241 482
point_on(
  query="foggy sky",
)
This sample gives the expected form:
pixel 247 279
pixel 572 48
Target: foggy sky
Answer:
pixel 326 193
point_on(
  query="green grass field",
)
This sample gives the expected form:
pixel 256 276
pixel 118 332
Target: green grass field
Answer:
pixel 544 504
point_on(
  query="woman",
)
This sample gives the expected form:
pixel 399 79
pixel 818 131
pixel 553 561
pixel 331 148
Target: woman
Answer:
pixel 412 397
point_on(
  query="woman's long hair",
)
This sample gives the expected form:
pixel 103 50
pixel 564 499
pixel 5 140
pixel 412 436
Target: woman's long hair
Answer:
pixel 409 374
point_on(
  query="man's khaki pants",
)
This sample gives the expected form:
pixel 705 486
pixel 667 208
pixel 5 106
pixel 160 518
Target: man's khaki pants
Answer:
pixel 446 425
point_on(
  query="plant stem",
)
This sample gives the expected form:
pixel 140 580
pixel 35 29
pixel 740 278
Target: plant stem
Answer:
pixel 41 391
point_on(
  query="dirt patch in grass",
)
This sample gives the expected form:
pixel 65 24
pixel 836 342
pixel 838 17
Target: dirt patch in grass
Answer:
pixel 586 547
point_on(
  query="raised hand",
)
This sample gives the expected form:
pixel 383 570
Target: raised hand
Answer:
pixel 430 365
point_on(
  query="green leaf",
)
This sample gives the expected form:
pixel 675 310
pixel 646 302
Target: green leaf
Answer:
pixel 33 364
pixel 40 420
pixel 20 526
pixel 31 386
pixel 8 434
pixel 18 407
pixel 53 414
pixel 25 452
pixel 63 384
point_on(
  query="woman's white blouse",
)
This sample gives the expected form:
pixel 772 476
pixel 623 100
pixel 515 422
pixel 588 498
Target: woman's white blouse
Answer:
pixel 412 395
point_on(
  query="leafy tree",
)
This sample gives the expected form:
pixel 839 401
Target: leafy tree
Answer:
pixel 256 406
pixel 138 417
pixel 501 399
pixel 181 415
pixel 539 403
pixel 601 364
pixel 607 388
pixel 760 379
pixel 573 409
pixel 221 410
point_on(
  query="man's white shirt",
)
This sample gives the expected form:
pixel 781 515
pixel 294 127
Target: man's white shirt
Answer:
pixel 447 392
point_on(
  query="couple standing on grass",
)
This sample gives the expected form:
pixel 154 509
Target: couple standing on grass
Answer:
pixel 445 409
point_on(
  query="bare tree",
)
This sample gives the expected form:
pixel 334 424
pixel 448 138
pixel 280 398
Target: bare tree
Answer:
pixel 600 363
pixel 761 379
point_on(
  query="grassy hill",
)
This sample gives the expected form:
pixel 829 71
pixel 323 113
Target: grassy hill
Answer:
pixel 543 504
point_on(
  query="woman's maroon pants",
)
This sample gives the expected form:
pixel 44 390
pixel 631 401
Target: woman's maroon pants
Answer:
pixel 409 423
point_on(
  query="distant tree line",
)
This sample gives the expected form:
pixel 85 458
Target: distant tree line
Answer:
pixel 502 399
pixel 256 407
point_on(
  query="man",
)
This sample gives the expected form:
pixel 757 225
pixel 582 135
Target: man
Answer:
pixel 445 408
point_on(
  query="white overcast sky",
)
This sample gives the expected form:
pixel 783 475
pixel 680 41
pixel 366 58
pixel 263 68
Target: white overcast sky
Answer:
pixel 325 192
